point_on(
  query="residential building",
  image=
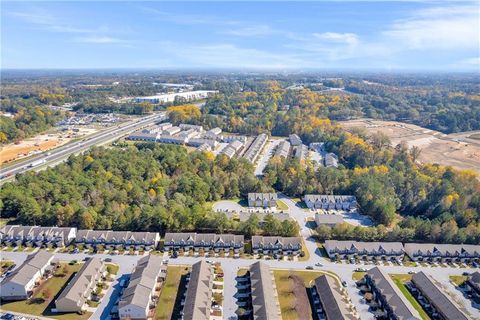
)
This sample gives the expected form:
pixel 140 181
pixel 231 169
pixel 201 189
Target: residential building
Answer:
pixel 170 97
pixel 330 202
pixel 265 303
pixel 228 139
pixel 331 160
pixel 118 239
pixel 364 250
pixel 164 126
pixel 143 136
pixel 141 296
pixel 283 149
pixel 204 147
pixel 197 142
pixel 16 235
pixel 444 306
pixel 290 246
pixel 198 298
pixel 317 147
pixel 213 134
pixel 204 241
pixel 75 295
pixel 295 140
pixel 330 220
pixel 300 152
pixel 473 285
pixel 263 200
pixel 256 147
pixel 186 126
pixel 171 131
pixel 172 139
pixel 20 283
pixel 330 300
pixel 389 297
pixel 443 252
pixel 188 134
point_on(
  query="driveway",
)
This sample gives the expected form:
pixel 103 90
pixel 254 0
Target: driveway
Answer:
pixel 227 205
pixel 265 156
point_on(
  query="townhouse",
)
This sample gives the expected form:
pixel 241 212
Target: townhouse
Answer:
pixel 331 160
pixel 295 140
pixel 443 252
pixel 16 235
pixel 330 202
pixel 186 126
pixel 198 298
pixel 300 152
pixel 434 300
pixel 262 200
pixel 364 250
pixel 283 149
pixel 473 285
pixel 139 299
pixel 265 305
pixel 232 148
pixel 118 239
pixel 290 246
pixel 20 283
pixel 329 299
pixel 257 145
pixel 388 296
pixel 75 295
pixel 197 142
pixel 144 136
pixel 213 134
pixel 204 241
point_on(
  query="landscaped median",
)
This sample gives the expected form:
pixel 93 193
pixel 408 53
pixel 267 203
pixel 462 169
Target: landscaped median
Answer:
pixel 400 280
pixel 169 295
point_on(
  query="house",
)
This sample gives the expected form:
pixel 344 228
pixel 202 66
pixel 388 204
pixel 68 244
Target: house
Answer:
pixel 75 295
pixel 204 241
pixel 295 140
pixel 256 147
pixel 118 239
pixel 473 285
pixel 330 220
pixel 16 235
pixel 264 200
pixel 443 305
pixel 198 298
pixel 330 300
pixel 291 246
pixel 389 297
pixel 283 149
pixel 443 252
pixel 364 250
pixel 20 283
pixel 264 295
pixel 141 296
pixel 330 202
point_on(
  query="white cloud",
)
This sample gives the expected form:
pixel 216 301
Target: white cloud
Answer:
pixel 350 39
pixel 251 31
pixel 99 39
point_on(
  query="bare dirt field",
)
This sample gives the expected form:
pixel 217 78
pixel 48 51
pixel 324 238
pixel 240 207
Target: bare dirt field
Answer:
pixel 40 143
pixel 459 150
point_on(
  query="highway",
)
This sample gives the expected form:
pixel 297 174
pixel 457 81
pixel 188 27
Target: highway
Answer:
pixel 59 154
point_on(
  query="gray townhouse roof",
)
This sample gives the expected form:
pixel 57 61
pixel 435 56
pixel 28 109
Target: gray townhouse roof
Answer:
pixel 442 303
pixel 392 295
pixel 283 149
pixel 204 238
pixel 199 292
pixel 255 148
pixel 109 236
pixel 285 242
pixel 328 219
pixel 22 232
pixel 300 152
pixel 82 282
pixel 262 196
pixel 34 262
pixel 264 297
pixel 474 280
pixel 329 198
pixel 142 282
pixel 331 160
pixel 295 139
pixel 332 299
pixel 369 247
pixel 442 249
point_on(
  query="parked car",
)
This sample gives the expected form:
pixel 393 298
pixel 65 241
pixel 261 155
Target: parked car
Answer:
pixel 361 270
pixel 465 274
pixel 318 264
pixel 411 272
pixel 309 267
pixel 344 283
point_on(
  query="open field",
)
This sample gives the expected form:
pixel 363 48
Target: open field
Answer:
pixel 460 150
pixel 400 280
pixel 40 143
pixel 168 295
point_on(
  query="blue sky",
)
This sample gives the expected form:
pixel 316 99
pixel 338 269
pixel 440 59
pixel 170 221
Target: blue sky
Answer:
pixel 403 35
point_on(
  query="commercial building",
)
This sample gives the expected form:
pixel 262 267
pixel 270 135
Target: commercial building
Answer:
pixel 364 250
pixel 198 298
pixel 256 147
pixel 290 246
pixel 389 297
pixel 442 306
pixel 443 252
pixel 265 303
pixel 141 296
pixel 263 200
pixel 330 300
pixel 16 235
pixel 283 149
pixel 330 220
pixel 295 140
pixel 118 239
pixel 170 97
pixel 204 241
pixel 75 295
pixel 330 202
pixel 20 283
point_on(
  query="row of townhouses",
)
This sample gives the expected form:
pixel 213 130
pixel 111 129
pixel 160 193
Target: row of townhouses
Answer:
pixel 16 235
pixel 118 239
pixel 197 303
pixel 204 241
pixel 330 202
pixel 262 200
pixel 290 246
pixel 330 300
pixel 396 250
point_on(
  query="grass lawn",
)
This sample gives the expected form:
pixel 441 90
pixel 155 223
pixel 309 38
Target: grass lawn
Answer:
pixel 400 280
pixel 281 205
pixel 112 268
pixel 4 264
pixel 305 250
pixel 458 280
pixel 168 295
pixel 284 289
pixel 357 275
pixel 39 305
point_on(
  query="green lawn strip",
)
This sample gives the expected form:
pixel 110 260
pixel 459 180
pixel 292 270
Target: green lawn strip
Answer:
pixel 400 280
pixel 358 275
pixel 169 293
pixel 281 205
pixel 112 268
pixel 43 300
pixel 306 257
pixel 458 280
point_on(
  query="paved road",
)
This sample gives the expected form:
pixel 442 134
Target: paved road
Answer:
pixel 61 153
pixel 265 156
